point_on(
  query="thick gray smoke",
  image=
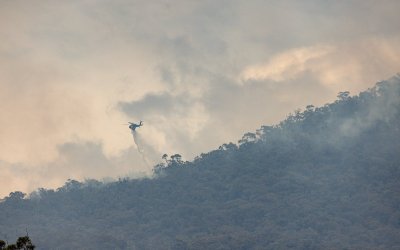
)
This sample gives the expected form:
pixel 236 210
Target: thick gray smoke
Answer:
pixel 382 109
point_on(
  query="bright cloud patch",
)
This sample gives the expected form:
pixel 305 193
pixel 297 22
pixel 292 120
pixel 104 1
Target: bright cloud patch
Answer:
pixel 286 65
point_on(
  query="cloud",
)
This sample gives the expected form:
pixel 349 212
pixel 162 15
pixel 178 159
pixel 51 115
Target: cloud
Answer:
pixel 152 103
pixel 286 65
pixel 345 66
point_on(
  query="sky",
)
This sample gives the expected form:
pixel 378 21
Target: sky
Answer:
pixel 198 73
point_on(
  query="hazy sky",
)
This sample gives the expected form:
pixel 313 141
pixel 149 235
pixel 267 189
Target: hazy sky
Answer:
pixel 199 73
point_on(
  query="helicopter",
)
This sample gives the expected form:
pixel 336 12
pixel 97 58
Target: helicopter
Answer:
pixel 133 126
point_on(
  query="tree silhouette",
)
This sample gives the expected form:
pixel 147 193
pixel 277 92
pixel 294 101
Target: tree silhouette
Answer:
pixel 23 243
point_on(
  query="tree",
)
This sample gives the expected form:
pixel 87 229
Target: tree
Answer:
pixel 343 95
pixel 165 158
pixel 15 196
pixel 23 243
pixel 248 137
pixel 2 244
pixel 264 131
pixel 176 158
pixel 228 146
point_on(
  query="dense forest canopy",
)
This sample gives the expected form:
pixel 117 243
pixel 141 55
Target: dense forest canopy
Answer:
pixel 324 178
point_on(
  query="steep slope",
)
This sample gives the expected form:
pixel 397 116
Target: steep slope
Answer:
pixel 325 178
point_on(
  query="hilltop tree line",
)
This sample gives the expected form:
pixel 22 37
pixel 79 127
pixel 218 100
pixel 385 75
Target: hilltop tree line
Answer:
pixel 324 178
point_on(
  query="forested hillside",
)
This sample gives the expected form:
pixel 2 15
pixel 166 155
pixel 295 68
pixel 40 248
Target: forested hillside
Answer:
pixel 325 178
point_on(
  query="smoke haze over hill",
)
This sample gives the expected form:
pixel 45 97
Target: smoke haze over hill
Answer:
pixel 326 177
